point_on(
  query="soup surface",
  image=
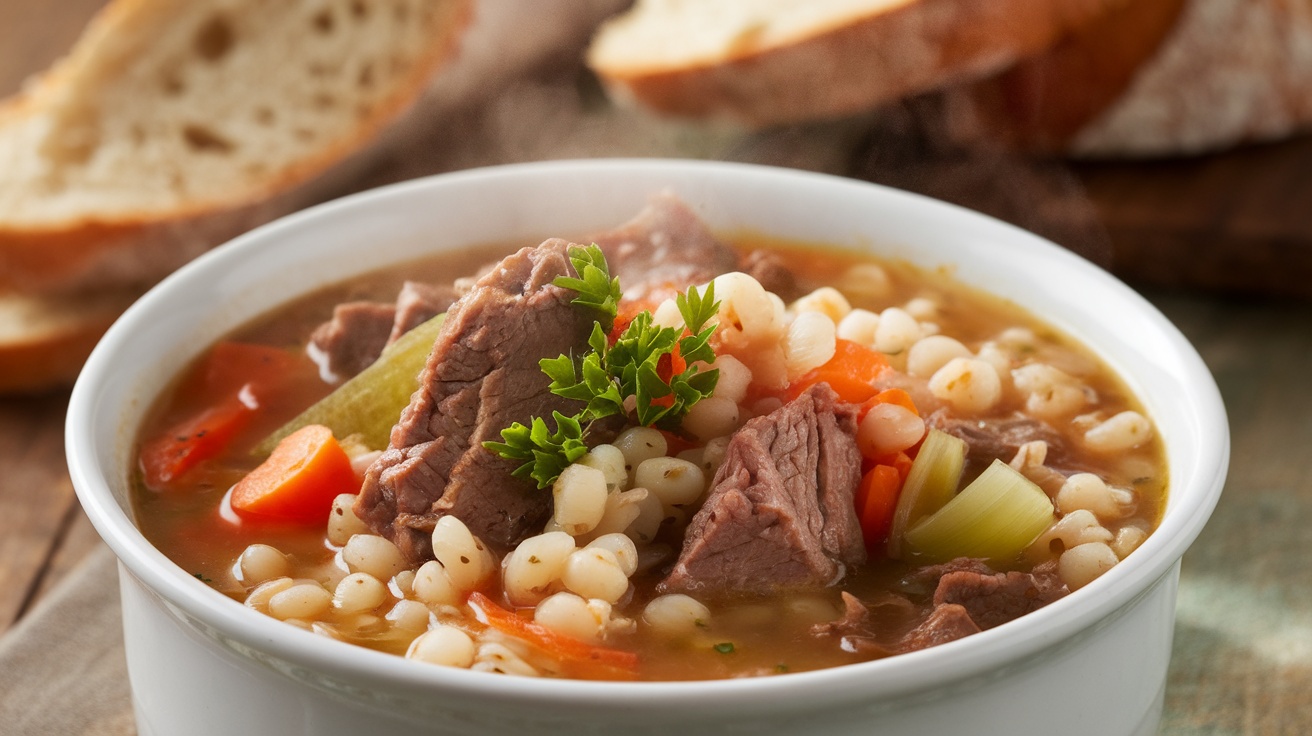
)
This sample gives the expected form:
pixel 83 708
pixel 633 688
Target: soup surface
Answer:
pixel 824 459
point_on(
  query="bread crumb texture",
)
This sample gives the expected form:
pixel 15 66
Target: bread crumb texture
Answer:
pixel 1231 71
pixel 165 108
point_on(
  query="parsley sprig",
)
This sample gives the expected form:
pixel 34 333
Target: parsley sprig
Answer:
pixel 611 373
pixel 595 286
pixel 544 454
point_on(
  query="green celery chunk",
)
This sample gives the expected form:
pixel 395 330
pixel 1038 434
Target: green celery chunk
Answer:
pixel 370 403
pixel 931 482
pixel 995 518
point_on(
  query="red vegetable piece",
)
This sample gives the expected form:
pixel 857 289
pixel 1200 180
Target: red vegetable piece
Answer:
pixel 299 479
pixel 851 373
pixel 190 442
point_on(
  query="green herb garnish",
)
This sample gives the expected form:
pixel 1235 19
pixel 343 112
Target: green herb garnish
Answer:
pixel 595 286
pixel 724 647
pixel 604 378
pixel 544 454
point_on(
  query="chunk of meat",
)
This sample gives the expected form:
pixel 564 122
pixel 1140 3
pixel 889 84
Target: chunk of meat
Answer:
pixel 768 268
pixel 996 598
pixel 780 512
pixel 353 339
pixel 998 437
pixel 665 247
pixel 417 303
pixel 969 588
pixel 482 375
pixel 358 331
pixel 945 623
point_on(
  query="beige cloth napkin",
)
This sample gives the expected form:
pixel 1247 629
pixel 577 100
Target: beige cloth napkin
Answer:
pixel 62 669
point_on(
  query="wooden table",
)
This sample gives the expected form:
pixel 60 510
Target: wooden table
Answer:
pixel 1223 228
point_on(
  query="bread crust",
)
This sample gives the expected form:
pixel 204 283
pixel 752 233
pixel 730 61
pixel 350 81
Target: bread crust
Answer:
pixel 43 342
pixel 1159 78
pixel 854 66
pixel 130 248
pixel 1045 101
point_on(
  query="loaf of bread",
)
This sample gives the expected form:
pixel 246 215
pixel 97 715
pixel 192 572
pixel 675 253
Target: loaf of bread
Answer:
pixel 767 62
pixel 1155 78
pixel 173 126
pixel 44 340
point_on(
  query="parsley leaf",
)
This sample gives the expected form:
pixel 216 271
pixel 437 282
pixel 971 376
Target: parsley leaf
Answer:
pixel 545 454
pixel 659 368
pixel 595 286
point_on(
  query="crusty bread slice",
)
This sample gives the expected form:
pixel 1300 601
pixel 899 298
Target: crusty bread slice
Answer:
pixel 174 125
pixel 1156 78
pixel 44 340
pixel 765 62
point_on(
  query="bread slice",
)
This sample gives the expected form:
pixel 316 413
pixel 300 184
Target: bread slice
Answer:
pixel 767 62
pixel 44 340
pixel 1157 78
pixel 172 126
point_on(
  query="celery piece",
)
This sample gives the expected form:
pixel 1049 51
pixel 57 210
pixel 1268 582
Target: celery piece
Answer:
pixel 995 518
pixel 371 402
pixel 933 478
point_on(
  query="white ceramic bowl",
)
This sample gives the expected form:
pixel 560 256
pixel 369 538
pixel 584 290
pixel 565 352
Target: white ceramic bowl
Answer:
pixel 1092 663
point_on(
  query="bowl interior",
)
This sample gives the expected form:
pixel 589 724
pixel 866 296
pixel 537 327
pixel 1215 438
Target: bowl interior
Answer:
pixel 266 267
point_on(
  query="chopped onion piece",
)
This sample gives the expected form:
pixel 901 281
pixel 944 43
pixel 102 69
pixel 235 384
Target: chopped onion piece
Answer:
pixel 933 478
pixel 995 518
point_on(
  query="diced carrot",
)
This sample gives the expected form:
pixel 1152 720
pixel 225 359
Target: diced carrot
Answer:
pixel 630 308
pixel 876 501
pixel 850 373
pixel 230 366
pixel 191 442
pixel 299 479
pixel 576 658
pixel 264 368
pixel 899 460
pixel 895 396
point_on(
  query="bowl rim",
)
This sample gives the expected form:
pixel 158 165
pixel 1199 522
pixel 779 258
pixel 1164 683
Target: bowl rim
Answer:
pixel 931 668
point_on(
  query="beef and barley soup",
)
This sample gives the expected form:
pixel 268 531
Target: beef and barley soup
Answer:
pixel 660 454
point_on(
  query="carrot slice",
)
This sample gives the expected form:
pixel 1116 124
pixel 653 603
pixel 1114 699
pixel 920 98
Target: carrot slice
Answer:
pixel 890 396
pixel 576 658
pixel 299 479
pixel 876 501
pixel 899 460
pixel 263 369
pixel 850 373
pixel 190 442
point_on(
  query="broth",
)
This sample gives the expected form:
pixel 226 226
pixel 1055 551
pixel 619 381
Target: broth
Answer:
pixel 193 523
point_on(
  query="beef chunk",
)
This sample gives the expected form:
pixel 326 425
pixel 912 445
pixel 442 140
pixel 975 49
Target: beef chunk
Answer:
pixel 780 512
pixel 483 375
pixel 358 331
pixel 853 621
pixel 945 623
pixel 997 437
pixel 923 581
pixel 971 590
pixel 666 246
pixel 995 599
pixel 865 626
pixel 354 337
pixel 769 269
pixel 417 303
